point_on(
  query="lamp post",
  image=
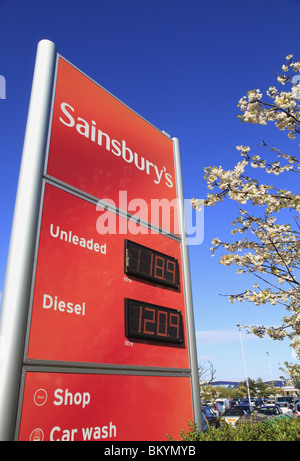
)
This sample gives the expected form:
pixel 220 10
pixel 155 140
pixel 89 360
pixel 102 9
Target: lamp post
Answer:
pixel 268 355
pixel 244 361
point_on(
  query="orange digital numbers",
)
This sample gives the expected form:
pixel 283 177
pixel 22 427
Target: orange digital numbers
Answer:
pixel 152 265
pixel 149 321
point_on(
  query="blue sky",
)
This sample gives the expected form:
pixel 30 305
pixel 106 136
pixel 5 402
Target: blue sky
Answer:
pixel 183 66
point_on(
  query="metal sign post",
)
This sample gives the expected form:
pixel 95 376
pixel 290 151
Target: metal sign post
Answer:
pixel 16 291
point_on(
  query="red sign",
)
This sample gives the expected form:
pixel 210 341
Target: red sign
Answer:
pixel 102 147
pixel 100 407
pixel 108 290
pixel 78 312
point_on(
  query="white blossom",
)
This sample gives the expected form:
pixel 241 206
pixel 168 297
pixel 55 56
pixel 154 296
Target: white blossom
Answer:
pixel 268 248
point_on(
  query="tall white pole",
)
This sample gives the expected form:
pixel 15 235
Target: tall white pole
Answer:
pixel 246 375
pixel 270 368
pixel 188 293
pixel 15 300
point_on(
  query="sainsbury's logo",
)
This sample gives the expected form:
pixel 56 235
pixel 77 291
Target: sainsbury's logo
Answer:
pixel 143 216
pixel 119 148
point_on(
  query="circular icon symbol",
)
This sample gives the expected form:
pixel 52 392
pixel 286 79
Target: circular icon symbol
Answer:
pixel 37 435
pixel 40 397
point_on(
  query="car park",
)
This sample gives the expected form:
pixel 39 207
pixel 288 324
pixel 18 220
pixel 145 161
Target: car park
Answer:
pixel 252 402
pixel 285 408
pixel 204 422
pixel 216 407
pixel 258 403
pixel 272 412
pixel 251 418
pixel 219 408
pixel 211 416
pixel 245 406
pixel 224 403
pixel 232 415
pixel 270 402
pixel 290 399
pixel 234 402
pixel 297 409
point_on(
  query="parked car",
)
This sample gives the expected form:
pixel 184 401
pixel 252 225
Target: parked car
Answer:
pixel 252 402
pixel 204 422
pixel 216 407
pixel 258 403
pixel 251 418
pixel 285 408
pixel 232 415
pixel 270 402
pixel 211 416
pixel 219 408
pixel 272 412
pixel 288 398
pixel 246 407
pixel 297 409
pixel 234 402
pixel 224 403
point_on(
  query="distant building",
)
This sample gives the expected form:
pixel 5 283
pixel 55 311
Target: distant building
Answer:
pixel 234 384
pixel 227 384
pixel 276 383
pixel 285 388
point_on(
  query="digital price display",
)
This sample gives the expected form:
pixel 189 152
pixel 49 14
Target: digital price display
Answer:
pixel 149 321
pixel 151 265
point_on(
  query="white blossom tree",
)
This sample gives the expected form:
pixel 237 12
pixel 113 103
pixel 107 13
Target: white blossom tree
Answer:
pixel 291 375
pixel 207 373
pixel 268 246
